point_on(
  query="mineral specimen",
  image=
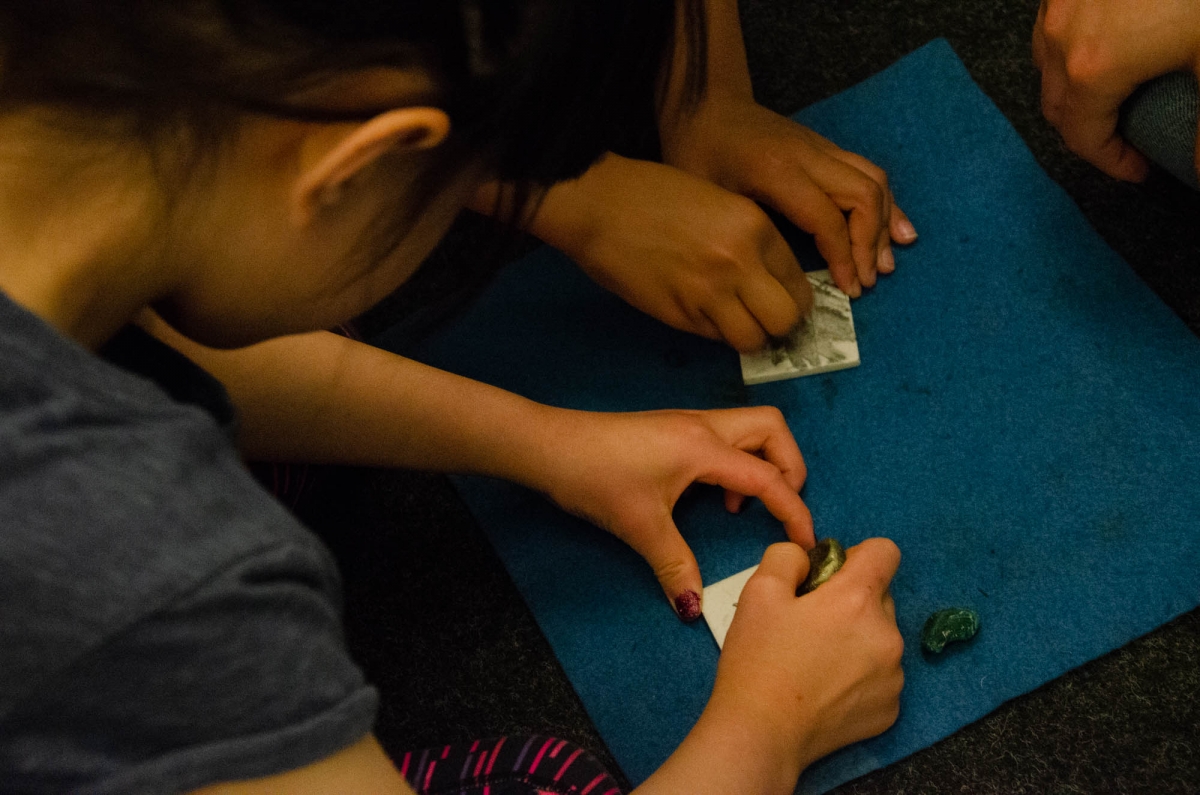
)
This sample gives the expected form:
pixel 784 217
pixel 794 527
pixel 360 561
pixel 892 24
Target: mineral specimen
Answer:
pixel 947 626
pixel 823 560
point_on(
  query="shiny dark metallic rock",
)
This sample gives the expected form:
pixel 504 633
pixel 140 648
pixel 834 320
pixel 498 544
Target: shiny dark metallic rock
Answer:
pixel 823 561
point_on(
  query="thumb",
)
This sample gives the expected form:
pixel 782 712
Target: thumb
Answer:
pixel 674 565
pixel 784 565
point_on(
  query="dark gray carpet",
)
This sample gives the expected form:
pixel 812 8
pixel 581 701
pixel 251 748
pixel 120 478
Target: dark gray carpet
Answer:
pixel 439 627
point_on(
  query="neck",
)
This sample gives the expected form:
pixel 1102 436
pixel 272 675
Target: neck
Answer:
pixel 74 239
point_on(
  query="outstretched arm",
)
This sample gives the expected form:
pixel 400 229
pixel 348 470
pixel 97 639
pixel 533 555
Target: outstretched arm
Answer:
pixel 323 398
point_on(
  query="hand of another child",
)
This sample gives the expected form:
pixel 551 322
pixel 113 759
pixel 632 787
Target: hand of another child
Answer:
pixel 1093 55
pixel 625 472
pixel 680 249
pixel 814 673
pixel 837 196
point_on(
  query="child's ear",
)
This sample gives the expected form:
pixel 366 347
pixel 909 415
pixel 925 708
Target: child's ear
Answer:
pixel 405 129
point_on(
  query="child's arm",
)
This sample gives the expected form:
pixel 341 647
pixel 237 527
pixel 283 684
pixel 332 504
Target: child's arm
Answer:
pixel 841 198
pixel 799 677
pixel 323 398
pixel 688 244
pixel 677 247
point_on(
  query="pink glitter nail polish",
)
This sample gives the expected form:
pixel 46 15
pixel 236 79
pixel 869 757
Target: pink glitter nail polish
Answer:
pixel 687 606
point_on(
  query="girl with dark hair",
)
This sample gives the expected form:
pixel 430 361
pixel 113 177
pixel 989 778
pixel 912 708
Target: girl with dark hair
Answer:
pixel 231 176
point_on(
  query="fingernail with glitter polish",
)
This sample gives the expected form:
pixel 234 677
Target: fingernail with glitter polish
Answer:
pixel 687 606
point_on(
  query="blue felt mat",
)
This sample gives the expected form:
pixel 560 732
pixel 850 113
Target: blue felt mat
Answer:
pixel 1025 424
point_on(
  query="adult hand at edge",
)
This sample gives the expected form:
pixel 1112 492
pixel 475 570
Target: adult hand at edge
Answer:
pixel 1094 54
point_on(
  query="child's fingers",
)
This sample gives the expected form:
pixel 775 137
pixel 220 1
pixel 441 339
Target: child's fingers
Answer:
pixel 764 431
pixel 738 325
pixel 809 207
pixel 891 219
pixel 873 563
pixel 660 543
pixel 781 263
pixel 902 229
pixel 752 476
pixel 784 566
pixel 770 303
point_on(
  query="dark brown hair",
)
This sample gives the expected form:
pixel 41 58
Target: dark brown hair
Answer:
pixel 536 90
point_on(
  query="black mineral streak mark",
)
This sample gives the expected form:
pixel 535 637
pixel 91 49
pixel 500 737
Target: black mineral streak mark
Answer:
pixel 985 593
pixel 829 390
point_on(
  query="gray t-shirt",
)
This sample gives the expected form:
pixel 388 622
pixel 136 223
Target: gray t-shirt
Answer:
pixel 164 623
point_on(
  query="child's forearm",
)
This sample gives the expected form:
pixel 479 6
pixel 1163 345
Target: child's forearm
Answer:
pixel 727 73
pixel 719 757
pixel 323 398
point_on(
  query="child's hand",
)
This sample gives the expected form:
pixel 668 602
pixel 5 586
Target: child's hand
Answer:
pixel 839 197
pixel 679 248
pixel 624 472
pixel 821 671
pixel 799 677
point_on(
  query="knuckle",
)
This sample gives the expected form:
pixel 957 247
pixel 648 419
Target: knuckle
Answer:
pixel 747 215
pixel 871 193
pixel 1087 66
pixel 892 714
pixel 854 602
pixel 770 415
pixel 877 174
pixel 691 428
pixel 891 650
pixel 755 590
pixel 1056 22
pixel 672 570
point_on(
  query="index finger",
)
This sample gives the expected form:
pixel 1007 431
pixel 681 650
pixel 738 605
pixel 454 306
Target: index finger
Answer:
pixel 762 430
pixel 783 265
pixel 784 566
pixel 747 474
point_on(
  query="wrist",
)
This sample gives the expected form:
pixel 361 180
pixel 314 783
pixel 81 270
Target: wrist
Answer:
pixel 569 216
pixel 689 139
pixel 727 751
pixel 533 448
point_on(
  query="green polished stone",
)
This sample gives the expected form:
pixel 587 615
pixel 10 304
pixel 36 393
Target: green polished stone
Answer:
pixel 823 561
pixel 947 626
